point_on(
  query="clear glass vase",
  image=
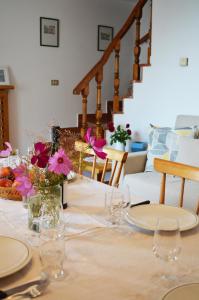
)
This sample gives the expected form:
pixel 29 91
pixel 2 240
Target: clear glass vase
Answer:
pixel 44 208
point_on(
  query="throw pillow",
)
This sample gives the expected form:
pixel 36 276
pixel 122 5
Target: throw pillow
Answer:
pixel 188 152
pixel 157 146
pixel 173 139
pixel 164 143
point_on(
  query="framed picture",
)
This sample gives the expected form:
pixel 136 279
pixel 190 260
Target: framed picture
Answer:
pixel 49 32
pixel 105 36
pixel 4 76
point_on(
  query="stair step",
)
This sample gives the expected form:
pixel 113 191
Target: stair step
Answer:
pixel 91 119
pixel 118 112
pixel 138 81
pixel 145 65
pixel 110 106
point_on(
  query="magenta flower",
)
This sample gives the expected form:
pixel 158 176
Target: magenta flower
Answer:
pixel 127 125
pixel 24 186
pixel 111 127
pixel 129 131
pixel 96 144
pixel 59 163
pixel 6 153
pixel 41 155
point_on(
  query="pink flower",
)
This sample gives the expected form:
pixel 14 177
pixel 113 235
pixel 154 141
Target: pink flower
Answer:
pixel 24 186
pixel 21 170
pixel 96 144
pixel 41 155
pixel 6 153
pixel 59 163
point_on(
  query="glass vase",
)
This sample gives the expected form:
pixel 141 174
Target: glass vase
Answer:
pixel 44 208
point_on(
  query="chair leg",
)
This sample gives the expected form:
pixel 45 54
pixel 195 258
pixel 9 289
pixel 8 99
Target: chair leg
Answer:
pixel 162 190
pixel 197 211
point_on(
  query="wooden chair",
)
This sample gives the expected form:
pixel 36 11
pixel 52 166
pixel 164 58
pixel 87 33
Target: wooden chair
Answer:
pixel 177 169
pixel 119 158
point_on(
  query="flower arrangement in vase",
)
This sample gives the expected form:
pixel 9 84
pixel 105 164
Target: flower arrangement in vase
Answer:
pixel 120 134
pixel 41 175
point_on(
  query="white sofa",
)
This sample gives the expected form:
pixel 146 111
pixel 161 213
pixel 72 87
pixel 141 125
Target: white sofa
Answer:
pixel 147 184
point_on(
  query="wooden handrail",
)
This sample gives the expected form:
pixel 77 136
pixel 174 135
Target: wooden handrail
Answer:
pixel 145 38
pixel 83 84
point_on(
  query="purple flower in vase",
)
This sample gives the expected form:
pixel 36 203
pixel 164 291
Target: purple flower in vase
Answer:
pixel 20 170
pixel 24 186
pixel 96 144
pixel 59 163
pixel 111 127
pixel 41 155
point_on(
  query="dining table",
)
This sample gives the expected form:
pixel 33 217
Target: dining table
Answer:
pixel 102 261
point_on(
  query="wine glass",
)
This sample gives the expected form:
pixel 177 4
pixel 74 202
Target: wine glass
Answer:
pixel 167 243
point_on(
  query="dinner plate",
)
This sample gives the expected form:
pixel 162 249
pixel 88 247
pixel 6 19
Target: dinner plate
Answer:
pixel 14 255
pixel 145 216
pixel 184 292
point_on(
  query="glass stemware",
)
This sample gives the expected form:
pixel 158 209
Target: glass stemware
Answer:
pixel 52 248
pixel 167 244
pixel 116 203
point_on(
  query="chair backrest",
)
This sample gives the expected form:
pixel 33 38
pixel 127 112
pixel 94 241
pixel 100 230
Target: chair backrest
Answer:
pixel 177 169
pixel 118 157
pixel 66 139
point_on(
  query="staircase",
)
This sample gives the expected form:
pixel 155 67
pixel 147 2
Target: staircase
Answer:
pixel 98 120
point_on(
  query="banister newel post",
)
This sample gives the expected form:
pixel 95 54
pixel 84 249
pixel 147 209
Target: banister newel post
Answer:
pixel 116 78
pixel 99 129
pixel 85 93
pixel 137 48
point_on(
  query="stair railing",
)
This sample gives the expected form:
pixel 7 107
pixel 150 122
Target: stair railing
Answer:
pixel 97 71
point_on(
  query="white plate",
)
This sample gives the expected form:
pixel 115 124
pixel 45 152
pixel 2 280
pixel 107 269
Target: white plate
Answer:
pixel 184 292
pixel 145 216
pixel 14 255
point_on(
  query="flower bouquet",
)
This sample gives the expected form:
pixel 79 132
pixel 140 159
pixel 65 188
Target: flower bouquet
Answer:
pixel 120 134
pixel 39 179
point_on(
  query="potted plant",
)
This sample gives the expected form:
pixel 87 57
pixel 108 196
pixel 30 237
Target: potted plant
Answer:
pixel 120 135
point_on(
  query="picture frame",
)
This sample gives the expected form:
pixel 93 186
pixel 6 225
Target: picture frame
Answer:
pixel 49 32
pixel 4 76
pixel 105 36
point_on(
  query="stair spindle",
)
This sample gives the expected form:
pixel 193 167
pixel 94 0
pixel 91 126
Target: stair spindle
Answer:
pixel 85 93
pixel 137 48
pixel 116 78
pixel 99 129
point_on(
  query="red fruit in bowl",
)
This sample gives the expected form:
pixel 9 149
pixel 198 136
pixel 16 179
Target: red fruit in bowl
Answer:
pixel 5 172
pixel 15 184
pixel 4 182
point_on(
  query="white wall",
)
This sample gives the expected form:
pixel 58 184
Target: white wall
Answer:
pixel 35 103
pixel 167 89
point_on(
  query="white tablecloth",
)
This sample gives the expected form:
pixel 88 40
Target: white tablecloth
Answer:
pixel 103 263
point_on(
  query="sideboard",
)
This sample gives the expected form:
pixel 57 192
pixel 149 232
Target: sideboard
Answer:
pixel 4 118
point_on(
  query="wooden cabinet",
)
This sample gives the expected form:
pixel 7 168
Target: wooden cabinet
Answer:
pixel 4 119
